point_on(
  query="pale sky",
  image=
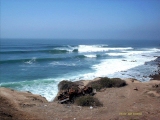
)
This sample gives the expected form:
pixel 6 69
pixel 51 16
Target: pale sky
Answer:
pixel 80 19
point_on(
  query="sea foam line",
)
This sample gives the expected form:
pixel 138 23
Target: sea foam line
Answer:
pixel 94 48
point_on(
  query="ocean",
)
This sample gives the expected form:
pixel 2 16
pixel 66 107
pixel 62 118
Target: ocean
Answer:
pixel 38 65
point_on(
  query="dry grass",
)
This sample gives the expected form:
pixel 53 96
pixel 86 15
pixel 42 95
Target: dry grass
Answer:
pixel 88 101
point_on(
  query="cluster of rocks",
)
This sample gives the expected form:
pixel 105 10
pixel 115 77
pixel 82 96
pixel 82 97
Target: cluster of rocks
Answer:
pixel 70 90
pixel 156 74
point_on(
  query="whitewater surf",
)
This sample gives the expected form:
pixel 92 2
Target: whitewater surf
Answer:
pixel 38 68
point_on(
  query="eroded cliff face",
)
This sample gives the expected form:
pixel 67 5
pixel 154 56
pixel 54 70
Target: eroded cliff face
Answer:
pixel 12 103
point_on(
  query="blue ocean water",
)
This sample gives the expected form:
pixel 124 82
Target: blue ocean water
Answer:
pixel 38 65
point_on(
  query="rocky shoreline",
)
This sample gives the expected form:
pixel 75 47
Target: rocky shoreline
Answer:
pixel 136 100
pixel 156 76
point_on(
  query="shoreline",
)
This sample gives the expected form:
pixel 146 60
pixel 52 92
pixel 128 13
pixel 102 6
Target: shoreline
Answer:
pixel 118 103
pixel 49 93
pixel 157 73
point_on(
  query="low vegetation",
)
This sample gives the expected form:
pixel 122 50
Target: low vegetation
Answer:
pixel 88 101
pixel 81 97
pixel 107 83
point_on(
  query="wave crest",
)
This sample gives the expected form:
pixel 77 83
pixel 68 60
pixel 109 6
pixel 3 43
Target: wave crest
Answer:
pixel 98 48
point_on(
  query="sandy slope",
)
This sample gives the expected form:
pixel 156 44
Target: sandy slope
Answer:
pixel 123 103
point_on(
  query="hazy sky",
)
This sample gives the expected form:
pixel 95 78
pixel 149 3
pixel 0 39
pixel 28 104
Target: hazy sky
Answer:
pixel 82 19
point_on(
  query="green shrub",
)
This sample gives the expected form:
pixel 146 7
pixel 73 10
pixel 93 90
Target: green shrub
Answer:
pixel 107 83
pixel 117 82
pixel 96 85
pixel 88 101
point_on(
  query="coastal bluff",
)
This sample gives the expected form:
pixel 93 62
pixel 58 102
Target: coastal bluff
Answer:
pixel 136 100
pixel 18 105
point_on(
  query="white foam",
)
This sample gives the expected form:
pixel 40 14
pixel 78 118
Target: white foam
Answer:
pixel 92 48
pixel 109 67
pixel 97 48
pixel 132 53
pixel 67 48
pixel 90 56
pixel 45 87
pixel 131 59
pixel 31 61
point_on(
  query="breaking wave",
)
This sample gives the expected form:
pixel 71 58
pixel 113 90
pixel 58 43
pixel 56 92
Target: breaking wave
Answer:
pixel 97 48
pixel 67 49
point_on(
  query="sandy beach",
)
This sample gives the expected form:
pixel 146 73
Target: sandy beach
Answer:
pixel 124 103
